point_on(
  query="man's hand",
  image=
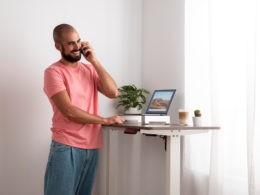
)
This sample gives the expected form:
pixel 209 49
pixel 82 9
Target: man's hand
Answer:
pixel 88 51
pixel 114 120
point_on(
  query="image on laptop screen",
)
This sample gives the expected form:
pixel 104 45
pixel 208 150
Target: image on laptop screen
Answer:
pixel 160 101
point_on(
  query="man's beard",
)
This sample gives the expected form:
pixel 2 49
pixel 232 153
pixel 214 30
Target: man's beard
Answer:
pixel 69 57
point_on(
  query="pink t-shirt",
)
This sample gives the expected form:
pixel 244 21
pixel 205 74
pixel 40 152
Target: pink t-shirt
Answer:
pixel 81 85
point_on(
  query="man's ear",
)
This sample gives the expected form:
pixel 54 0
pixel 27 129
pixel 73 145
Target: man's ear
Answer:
pixel 58 46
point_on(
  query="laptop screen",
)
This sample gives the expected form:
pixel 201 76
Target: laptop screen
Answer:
pixel 160 101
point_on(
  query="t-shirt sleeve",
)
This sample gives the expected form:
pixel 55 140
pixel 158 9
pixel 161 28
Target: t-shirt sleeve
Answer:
pixel 93 72
pixel 53 82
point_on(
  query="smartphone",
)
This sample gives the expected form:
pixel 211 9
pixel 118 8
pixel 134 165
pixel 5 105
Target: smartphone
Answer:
pixel 84 52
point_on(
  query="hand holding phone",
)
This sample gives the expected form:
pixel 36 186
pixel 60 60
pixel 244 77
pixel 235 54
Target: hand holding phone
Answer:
pixel 86 49
pixel 84 52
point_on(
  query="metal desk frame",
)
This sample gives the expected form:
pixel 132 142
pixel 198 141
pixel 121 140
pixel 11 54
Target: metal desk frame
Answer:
pixel 173 135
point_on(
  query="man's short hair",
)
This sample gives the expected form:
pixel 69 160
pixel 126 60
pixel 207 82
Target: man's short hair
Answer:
pixel 59 30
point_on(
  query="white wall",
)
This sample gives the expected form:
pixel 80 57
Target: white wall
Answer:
pixel 139 42
pixel 27 49
pixel 163 48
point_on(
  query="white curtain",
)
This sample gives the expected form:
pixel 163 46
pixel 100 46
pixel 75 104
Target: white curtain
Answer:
pixel 222 52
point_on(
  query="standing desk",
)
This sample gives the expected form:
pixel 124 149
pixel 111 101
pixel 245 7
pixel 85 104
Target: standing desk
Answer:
pixel 173 135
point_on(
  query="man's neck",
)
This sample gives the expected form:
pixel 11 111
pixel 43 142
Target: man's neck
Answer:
pixel 67 63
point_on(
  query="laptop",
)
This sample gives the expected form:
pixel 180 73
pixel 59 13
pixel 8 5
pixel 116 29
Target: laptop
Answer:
pixel 160 102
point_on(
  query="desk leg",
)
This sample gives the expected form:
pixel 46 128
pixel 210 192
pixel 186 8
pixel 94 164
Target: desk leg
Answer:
pixel 112 163
pixel 173 165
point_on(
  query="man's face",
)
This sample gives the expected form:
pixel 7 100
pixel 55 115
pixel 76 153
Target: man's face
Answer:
pixel 70 46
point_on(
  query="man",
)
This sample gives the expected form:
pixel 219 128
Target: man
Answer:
pixel 72 88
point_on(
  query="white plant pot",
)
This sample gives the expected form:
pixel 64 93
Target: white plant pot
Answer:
pixel 133 111
pixel 197 121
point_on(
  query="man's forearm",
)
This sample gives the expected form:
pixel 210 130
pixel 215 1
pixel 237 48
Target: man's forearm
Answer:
pixel 80 116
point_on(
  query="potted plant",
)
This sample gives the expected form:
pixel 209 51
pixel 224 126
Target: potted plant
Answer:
pixel 132 99
pixel 197 118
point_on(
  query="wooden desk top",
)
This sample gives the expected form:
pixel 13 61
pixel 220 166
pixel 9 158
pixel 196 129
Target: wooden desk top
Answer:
pixel 139 126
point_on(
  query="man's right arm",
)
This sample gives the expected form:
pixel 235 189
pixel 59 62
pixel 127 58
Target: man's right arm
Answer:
pixel 62 102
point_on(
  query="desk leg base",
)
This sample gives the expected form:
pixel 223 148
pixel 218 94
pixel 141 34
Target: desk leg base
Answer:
pixel 173 165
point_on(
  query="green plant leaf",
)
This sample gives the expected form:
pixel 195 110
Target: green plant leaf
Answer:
pixel 131 96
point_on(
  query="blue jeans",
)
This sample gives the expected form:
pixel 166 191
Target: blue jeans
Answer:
pixel 70 170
